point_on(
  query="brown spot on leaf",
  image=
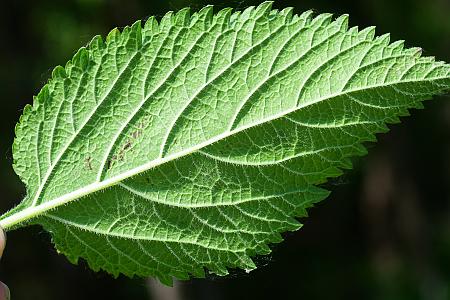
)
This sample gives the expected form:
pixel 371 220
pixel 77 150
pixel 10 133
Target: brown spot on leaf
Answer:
pixel 88 163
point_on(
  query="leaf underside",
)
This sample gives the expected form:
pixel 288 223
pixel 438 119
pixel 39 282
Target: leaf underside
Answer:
pixel 193 142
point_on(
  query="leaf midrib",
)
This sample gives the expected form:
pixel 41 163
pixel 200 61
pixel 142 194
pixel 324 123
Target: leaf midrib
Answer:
pixel 34 211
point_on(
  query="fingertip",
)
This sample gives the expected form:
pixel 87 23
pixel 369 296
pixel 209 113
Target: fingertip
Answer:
pixel 5 294
pixel 2 241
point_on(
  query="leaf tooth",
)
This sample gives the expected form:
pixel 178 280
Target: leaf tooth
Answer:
pixel 264 249
pixel 264 9
pixel 317 193
pixel 404 112
pixel 112 36
pixel 26 111
pixel 182 17
pixel 334 172
pixel 368 33
pixel 137 24
pixel 305 18
pixel 247 13
pixel 322 20
pixel 206 16
pixel 247 263
pixel 360 150
pixel 74 259
pixel 370 138
pixel 418 105
pixel 136 31
pixel 81 58
pixel 166 21
pixel 96 43
pixel 59 73
pixel 165 279
pixel 346 163
pixel 217 269
pixel 297 21
pixel 384 39
pixel 383 128
pixel 393 120
pixel 342 22
pixel 414 52
pixel 293 225
pixel 397 47
pixel 180 275
pixel 223 16
pixel 235 17
pixel 288 13
pixel 124 33
pixel 128 31
pixel 353 31
pixel 198 272
pixel 151 26
pixel 42 97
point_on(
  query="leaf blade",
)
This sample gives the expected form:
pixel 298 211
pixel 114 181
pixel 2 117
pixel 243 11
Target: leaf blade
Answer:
pixel 215 145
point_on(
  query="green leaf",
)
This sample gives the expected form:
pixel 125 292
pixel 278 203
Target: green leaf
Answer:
pixel 194 142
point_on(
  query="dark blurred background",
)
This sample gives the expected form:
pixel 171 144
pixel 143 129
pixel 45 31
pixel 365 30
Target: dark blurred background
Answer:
pixel 384 233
